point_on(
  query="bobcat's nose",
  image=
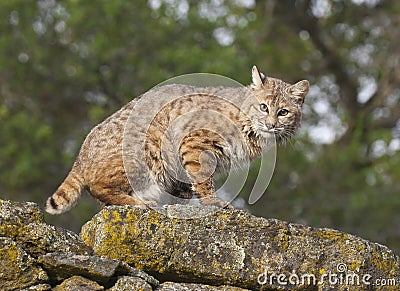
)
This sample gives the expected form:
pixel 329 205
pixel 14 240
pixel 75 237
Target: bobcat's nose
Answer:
pixel 269 126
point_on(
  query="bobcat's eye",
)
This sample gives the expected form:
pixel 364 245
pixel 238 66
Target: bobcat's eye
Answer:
pixel 264 107
pixel 283 112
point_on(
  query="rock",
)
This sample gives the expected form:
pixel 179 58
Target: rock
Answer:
pixel 17 268
pixel 78 283
pixel 24 223
pixel 232 247
pixel 188 248
pixel 40 238
pixel 171 286
pixel 126 283
pixel 40 287
pixel 16 215
pixel 125 269
pixel 100 269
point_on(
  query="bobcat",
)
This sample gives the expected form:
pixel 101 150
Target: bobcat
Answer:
pixel 174 138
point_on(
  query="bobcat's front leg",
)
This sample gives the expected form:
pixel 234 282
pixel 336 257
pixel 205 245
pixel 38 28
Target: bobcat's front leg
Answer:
pixel 205 191
pixel 199 159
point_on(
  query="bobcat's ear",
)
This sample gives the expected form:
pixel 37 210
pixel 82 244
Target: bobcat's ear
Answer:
pixel 257 78
pixel 300 90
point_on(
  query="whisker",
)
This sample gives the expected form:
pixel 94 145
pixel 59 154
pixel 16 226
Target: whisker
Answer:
pixel 286 135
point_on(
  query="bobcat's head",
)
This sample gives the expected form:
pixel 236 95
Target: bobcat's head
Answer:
pixel 276 108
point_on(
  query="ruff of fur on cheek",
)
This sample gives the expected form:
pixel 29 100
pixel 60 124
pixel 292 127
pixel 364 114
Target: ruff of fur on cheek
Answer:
pixel 253 140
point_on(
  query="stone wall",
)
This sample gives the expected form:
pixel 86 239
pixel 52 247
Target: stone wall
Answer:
pixel 126 248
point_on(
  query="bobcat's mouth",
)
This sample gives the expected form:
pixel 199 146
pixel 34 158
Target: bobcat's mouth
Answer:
pixel 282 134
pixel 270 128
pixel 274 130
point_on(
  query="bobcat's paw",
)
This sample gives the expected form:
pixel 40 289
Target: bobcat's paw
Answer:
pixel 214 201
pixel 146 204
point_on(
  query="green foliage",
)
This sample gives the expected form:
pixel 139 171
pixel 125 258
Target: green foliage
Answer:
pixel 23 153
pixel 66 65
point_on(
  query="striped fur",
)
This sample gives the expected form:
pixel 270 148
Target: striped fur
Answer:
pixel 188 134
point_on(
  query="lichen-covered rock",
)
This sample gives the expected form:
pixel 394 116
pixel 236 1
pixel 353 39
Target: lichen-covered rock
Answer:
pixel 235 248
pixel 24 223
pixel 126 283
pixel 78 283
pixel 40 238
pixel 211 249
pixel 40 287
pixel 17 268
pixel 172 286
pixel 100 269
pixel 16 215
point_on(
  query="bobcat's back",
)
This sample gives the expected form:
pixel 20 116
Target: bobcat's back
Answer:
pixel 174 138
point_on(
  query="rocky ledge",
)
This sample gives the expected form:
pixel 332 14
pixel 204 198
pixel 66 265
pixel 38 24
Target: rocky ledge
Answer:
pixel 185 248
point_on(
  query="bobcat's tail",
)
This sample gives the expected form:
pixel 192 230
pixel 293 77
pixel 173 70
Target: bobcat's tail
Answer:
pixel 66 195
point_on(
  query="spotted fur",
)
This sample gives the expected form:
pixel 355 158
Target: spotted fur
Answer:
pixel 191 138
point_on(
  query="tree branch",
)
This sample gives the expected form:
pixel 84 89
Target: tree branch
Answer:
pixel 334 62
pixel 388 122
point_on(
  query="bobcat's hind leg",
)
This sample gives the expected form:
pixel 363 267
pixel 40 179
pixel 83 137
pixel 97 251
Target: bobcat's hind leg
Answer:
pixel 114 196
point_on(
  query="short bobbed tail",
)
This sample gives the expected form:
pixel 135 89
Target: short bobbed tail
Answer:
pixel 66 195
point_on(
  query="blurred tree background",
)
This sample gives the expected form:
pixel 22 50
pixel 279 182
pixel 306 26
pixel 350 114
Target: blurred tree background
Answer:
pixel 65 65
